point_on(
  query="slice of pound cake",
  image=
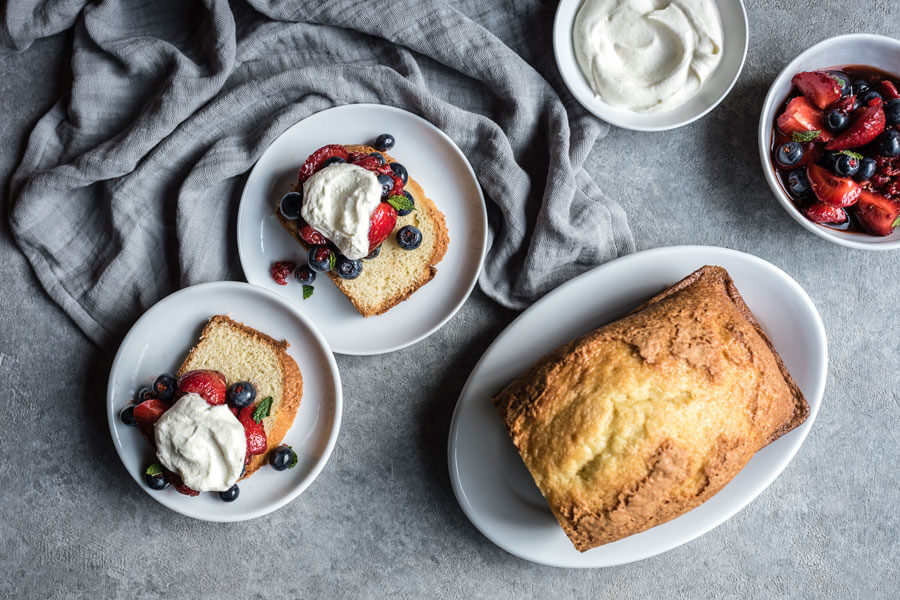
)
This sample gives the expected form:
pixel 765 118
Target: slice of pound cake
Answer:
pixel 366 224
pixel 242 353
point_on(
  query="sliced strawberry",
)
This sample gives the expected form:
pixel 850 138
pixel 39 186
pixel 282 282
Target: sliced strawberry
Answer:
pixel 878 215
pixel 146 414
pixel 209 384
pixel 397 190
pixel 888 90
pixel 255 432
pixel 315 160
pixel 369 163
pixel 800 115
pixel 355 156
pixel 175 480
pixel 280 271
pixel 311 236
pixel 845 104
pixel 830 188
pixel 821 88
pixel 867 123
pixel 381 224
pixel 825 213
pixel 812 152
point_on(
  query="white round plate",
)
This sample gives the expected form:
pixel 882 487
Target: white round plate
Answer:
pixel 433 160
pixel 158 343
pixel 735 37
pixel 489 478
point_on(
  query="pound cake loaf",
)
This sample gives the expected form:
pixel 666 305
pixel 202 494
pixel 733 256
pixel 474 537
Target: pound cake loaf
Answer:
pixel 646 418
pixel 242 353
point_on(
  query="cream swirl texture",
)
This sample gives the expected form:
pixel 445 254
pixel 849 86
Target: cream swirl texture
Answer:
pixel 647 55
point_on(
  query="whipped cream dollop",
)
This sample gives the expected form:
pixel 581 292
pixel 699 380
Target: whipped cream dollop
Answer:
pixel 647 55
pixel 204 444
pixel 338 201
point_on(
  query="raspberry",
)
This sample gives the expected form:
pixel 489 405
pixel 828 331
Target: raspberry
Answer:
pixel 280 271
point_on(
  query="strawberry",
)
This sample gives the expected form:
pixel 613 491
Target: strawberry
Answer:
pixel 146 414
pixel 315 160
pixel 381 224
pixel 800 115
pixel 868 122
pixel 878 215
pixel 888 90
pixel 355 156
pixel 812 152
pixel 255 432
pixel 845 104
pixel 825 213
pixel 280 270
pixel 831 189
pixel 370 163
pixel 822 89
pixel 175 480
pixel 206 382
pixel 311 236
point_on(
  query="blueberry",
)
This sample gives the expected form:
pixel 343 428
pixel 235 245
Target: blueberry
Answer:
pixel 290 204
pixel 164 386
pixel 836 121
pixel 892 112
pixel 378 156
pixel 348 268
pixel 384 142
pixel 869 96
pixel 281 457
pixel 231 494
pixel 409 237
pixel 867 167
pixel 126 415
pixel 241 394
pixel 144 393
pixel 846 166
pixel 400 171
pixel 305 275
pixel 889 143
pixel 842 80
pixel 404 212
pixel 374 253
pixel 156 482
pixel 789 154
pixel 798 184
pixel 860 86
pixel 320 258
pixel 387 184
pixel 334 160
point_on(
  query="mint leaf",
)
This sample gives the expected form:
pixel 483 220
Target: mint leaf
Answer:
pixel 852 154
pixel 895 223
pixel 294 459
pixel 401 202
pixel 332 260
pixel 154 470
pixel 262 409
pixel 805 136
pixel 840 81
pixel 307 291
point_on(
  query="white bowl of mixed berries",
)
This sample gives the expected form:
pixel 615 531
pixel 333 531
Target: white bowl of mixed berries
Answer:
pixel 829 140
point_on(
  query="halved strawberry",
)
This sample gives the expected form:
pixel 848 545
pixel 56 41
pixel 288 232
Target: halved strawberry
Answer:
pixel 146 414
pixel 821 88
pixel 315 160
pixel 831 189
pixel 888 90
pixel 381 224
pixel 800 115
pixel 175 480
pixel 311 236
pixel 209 384
pixel 825 213
pixel 255 432
pixel 867 123
pixel 878 215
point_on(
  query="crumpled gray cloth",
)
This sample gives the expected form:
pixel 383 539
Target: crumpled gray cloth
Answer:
pixel 129 186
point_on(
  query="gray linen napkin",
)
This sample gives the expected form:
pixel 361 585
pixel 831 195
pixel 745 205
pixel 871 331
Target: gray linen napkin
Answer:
pixel 128 188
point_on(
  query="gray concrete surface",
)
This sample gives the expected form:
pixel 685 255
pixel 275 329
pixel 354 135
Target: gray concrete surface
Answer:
pixel 381 520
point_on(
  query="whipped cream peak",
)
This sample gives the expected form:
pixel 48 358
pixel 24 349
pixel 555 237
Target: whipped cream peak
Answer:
pixel 338 201
pixel 204 444
pixel 647 55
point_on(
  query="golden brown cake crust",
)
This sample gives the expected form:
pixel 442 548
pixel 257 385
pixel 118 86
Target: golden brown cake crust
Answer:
pixel 292 387
pixel 442 241
pixel 644 419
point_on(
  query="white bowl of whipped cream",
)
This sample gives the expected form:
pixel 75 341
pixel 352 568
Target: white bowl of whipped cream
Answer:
pixel 650 65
